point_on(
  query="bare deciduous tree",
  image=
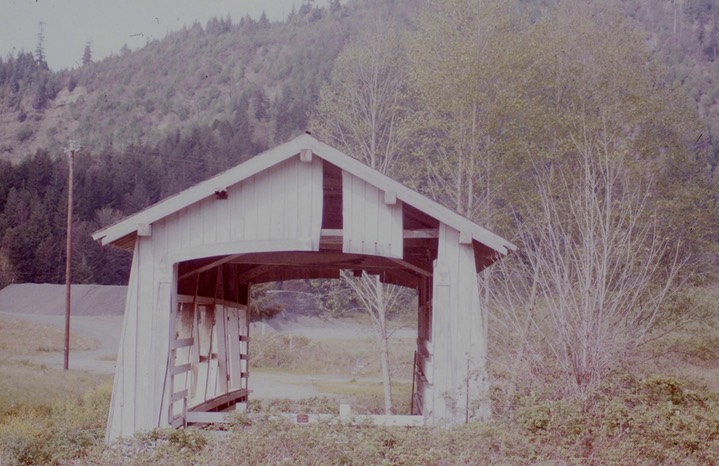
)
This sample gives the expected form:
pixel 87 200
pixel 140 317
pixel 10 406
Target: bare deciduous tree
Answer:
pixel 379 301
pixel 592 277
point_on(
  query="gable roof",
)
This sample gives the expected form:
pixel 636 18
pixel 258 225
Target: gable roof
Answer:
pixel 114 234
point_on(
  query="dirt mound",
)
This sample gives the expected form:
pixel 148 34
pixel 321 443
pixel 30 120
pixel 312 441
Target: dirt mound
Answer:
pixel 47 299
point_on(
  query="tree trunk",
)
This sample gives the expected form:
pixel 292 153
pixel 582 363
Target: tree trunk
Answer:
pixel 383 338
pixel 386 376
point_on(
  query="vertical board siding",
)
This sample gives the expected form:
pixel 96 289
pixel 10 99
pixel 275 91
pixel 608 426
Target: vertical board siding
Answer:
pixel 120 420
pixel 233 347
pixel 282 202
pixel 459 337
pixel 369 225
pixel 143 354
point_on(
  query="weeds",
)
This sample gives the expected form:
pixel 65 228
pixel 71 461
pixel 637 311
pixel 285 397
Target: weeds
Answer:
pixel 68 429
pixel 631 418
pixel 652 420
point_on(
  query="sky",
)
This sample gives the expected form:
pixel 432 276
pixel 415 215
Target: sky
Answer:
pixel 111 24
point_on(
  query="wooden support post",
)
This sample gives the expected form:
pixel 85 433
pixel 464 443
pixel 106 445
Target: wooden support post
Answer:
pixel 68 255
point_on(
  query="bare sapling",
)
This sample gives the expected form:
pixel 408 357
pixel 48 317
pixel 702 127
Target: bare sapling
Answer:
pixel 591 277
pixel 378 300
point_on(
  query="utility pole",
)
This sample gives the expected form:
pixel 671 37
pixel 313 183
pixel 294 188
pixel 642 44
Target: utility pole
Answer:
pixel 70 151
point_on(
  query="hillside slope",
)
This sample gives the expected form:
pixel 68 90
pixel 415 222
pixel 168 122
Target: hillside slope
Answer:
pixel 249 80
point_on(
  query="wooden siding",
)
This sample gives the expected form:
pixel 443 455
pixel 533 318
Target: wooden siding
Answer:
pixel 122 233
pixel 277 209
pixel 370 225
pixel 459 335
pixel 282 205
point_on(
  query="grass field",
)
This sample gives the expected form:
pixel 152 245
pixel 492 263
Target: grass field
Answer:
pixel 663 409
pixel 21 337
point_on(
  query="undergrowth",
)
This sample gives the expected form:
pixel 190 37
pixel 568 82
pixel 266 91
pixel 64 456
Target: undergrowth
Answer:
pixel 628 420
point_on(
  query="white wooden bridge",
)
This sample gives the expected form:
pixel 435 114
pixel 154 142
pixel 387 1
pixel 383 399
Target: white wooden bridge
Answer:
pixel 300 210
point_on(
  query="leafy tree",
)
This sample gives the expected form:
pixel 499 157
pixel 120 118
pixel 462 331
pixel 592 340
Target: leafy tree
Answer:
pixel 465 56
pixel 365 108
pixel 364 112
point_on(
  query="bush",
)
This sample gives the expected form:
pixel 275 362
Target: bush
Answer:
pixel 644 421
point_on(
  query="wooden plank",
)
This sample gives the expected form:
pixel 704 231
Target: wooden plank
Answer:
pixel 293 204
pixel 221 345
pixel 465 237
pixel 199 251
pixel 248 276
pixel 223 399
pixel 182 343
pixel 316 197
pixel 306 155
pixel 276 180
pixel 209 220
pixel 263 205
pixel 397 420
pixel 235 221
pixel 194 356
pixel 193 216
pixel 424 233
pixel 396 230
pixel 177 396
pixel 212 361
pixel 174 370
pixel 205 324
pixel 202 417
pixel 177 422
pixel 185 299
pixel 210 266
pixel 403 420
pixel 181 346
pixel 249 211
pixel 234 348
pixel 371 205
pixel 145 413
pixel 121 414
pixel 144 230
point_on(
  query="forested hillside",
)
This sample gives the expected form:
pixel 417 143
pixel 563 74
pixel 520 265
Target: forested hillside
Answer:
pixel 151 123
pixel 154 121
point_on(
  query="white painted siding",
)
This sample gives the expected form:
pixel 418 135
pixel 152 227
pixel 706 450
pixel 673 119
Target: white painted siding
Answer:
pixel 369 225
pixel 459 336
pixel 277 209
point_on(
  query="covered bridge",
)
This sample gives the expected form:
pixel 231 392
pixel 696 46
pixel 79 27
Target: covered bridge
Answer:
pixel 301 210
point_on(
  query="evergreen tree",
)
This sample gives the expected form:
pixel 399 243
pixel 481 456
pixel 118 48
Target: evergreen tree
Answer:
pixel 87 54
